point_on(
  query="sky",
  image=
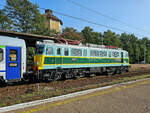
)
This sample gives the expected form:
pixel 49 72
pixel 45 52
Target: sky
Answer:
pixel 132 12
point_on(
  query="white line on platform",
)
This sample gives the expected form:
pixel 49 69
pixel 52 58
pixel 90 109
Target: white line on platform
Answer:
pixel 38 102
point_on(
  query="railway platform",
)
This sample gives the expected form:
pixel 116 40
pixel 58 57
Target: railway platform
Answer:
pixel 132 97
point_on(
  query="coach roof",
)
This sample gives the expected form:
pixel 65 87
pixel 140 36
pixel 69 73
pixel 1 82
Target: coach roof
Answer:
pixel 9 41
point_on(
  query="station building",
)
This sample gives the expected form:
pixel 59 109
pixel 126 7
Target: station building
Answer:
pixel 53 23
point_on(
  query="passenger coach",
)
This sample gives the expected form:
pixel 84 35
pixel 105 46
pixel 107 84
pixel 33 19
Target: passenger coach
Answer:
pixel 12 59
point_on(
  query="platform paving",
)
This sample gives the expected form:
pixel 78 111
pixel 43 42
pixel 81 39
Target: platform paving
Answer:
pixel 130 98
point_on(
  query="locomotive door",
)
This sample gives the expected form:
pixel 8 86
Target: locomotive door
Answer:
pixel 13 63
pixel 59 58
pixel 121 57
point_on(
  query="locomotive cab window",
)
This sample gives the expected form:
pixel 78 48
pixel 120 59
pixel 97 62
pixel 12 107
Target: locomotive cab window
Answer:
pixel 1 54
pixel 49 51
pixel 66 52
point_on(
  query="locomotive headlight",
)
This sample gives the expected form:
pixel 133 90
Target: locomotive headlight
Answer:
pixel 36 63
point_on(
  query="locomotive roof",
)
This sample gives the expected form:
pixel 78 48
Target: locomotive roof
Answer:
pixel 9 41
pixel 77 46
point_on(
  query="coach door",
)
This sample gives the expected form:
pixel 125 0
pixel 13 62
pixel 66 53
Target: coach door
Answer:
pixel 13 63
pixel 59 58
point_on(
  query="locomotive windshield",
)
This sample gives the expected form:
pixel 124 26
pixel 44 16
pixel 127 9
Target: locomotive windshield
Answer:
pixel 39 50
pixel 1 54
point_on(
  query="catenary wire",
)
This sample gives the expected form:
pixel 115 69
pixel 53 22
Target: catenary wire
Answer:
pixel 91 22
pixel 88 21
pixel 106 16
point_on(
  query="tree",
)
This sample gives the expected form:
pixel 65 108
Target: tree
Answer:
pixel 91 37
pixel 87 33
pixel 24 16
pixel 73 34
pixel 110 38
pixel 144 49
pixel 4 21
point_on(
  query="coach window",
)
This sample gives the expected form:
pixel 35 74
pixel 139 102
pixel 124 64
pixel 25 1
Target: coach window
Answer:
pixel 1 54
pixel 58 51
pixel 13 55
pixel 66 52
pixel 49 51
pixel 85 52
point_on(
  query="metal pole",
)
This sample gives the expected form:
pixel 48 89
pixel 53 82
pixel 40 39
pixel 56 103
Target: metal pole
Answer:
pixel 145 54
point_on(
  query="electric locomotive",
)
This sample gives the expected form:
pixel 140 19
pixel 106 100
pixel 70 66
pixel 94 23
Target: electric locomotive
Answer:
pixel 55 61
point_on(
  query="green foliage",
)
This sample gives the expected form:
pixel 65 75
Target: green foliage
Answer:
pixel 91 37
pixel 73 34
pixel 30 56
pixel 24 15
pixel 4 21
pixel 110 38
pixel 131 44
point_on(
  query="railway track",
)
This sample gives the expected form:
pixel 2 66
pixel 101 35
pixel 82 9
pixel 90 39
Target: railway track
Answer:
pixel 12 90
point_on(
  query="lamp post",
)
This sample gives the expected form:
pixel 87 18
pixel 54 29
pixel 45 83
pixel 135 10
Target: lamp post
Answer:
pixel 145 55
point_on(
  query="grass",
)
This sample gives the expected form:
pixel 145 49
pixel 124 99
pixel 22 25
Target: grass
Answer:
pixel 42 93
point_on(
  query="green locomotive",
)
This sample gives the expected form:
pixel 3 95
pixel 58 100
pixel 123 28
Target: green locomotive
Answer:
pixel 55 61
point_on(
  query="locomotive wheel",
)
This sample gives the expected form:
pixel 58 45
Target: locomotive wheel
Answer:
pixel 127 69
pixel 63 77
pixel 110 72
pixel 58 76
